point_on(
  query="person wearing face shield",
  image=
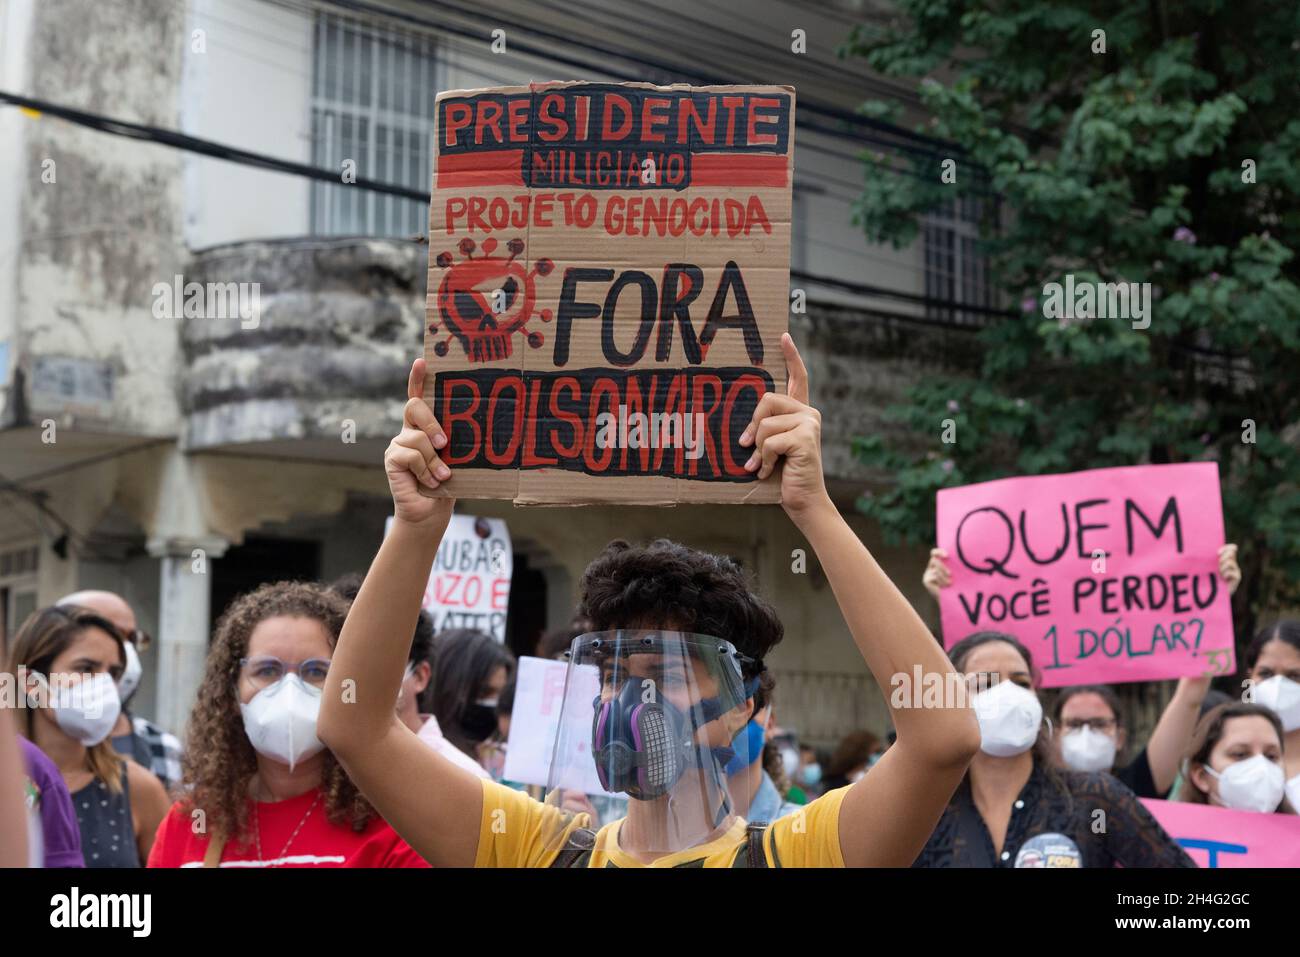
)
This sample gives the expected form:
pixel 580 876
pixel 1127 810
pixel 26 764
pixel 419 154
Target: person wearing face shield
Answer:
pixel 69 661
pixel 1015 809
pixel 1089 719
pixel 1272 663
pixel 657 694
pixel 1235 760
pixel 133 735
pixel 260 789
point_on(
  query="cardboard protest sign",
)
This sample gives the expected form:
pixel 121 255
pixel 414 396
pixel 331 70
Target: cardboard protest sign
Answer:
pixel 535 723
pixel 1220 837
pixel 1105 576
pixel 608 287
pixel 469 585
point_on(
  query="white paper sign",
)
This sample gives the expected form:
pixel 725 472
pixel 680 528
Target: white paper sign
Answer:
pixel 535 721
pixel 469 586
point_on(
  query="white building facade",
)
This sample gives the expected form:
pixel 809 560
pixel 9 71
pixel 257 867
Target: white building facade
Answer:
pixel 181 461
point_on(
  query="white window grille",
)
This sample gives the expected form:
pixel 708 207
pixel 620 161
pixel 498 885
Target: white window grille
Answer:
pixel 956 270
pixel 799 196
pixel 373 91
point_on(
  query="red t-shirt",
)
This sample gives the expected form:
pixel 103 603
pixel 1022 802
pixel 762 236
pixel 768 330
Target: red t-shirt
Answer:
pixel 317 844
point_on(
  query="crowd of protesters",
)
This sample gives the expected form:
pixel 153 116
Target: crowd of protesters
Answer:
pixel 333 727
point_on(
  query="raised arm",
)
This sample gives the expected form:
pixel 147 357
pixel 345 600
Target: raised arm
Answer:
pixel 888 815
pixel 1173 732
pixel 434 805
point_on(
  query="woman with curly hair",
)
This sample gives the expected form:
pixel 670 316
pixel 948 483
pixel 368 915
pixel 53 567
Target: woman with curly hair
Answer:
pixel 261 789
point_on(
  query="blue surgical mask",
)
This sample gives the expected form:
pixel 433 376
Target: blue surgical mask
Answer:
pixel 812 774
pixel 748 750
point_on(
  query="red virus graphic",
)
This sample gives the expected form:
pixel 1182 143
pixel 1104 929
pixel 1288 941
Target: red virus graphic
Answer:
pixel 471 287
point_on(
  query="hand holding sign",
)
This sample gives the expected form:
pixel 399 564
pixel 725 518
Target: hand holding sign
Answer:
pixel 937 574
pixel 412 460
pixel 786 425
pixel 1229 570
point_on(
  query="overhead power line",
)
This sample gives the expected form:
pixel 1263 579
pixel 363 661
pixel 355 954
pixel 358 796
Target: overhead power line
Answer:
pixel 194 144
pixel 826 110
pixel 171 138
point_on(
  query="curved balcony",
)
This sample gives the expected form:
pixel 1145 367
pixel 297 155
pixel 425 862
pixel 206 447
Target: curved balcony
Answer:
pixel 314 355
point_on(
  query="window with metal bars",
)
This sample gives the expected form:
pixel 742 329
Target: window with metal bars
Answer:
pixel 372 103
pixel 956 269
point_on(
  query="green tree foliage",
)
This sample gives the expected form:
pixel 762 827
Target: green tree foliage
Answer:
pixel 1129 165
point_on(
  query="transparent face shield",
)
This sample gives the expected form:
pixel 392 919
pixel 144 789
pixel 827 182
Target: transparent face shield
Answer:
pixel 658 716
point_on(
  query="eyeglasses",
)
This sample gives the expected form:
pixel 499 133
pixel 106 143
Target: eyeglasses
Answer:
pixel 262 671
pixel 1102 725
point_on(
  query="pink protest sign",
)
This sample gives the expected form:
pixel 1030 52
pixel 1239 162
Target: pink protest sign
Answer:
pixel 1219 837
pixel 1105 576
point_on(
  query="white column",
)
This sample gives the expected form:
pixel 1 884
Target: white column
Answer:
pixel 183 608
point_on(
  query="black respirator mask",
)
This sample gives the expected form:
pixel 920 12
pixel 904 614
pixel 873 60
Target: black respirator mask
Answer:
pixel 642 743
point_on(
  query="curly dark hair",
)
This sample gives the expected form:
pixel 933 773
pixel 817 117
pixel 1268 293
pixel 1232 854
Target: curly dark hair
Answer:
pixel 667 585
pixel 219 760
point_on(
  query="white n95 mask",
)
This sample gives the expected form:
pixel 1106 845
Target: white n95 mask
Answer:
pixel 1088 750
pixel 1256 784
pixel 88 709
pixel 280 721
pixel 1280 695
pixel 1009 718
pixel 131 674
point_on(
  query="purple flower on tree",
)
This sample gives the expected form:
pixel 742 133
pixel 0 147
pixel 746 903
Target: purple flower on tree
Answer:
pixel 953 405
pixel 947 465
pixel 1184 235
pixel 1028 304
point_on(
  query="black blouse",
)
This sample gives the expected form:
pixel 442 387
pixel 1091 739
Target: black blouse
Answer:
pixel 1085 820
pixel 1137 776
